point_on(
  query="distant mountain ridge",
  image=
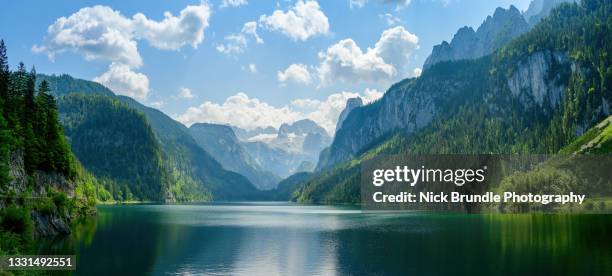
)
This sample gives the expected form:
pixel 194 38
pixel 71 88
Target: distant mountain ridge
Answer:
pixel 192 173
pixel 221 142
pixel 495 31
pixel 288 150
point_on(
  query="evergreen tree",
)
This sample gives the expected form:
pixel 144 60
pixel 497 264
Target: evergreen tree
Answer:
pixel 30 141
pixel 4 76
pixel 4 153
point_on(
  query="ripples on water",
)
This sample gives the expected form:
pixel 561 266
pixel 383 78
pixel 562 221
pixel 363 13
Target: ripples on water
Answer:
pixel 289 239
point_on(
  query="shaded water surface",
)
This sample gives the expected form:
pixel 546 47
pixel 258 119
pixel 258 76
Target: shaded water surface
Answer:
pixel 279 238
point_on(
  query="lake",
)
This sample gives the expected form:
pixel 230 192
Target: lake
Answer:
pixel 288 239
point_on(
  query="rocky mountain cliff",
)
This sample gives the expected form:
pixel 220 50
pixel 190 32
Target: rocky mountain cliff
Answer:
pixel 495 31
pixel 536 94
pixel 221 142
pixel 351 104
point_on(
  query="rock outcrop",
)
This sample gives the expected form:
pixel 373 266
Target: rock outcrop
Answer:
pixel 351 104
pixel 494 32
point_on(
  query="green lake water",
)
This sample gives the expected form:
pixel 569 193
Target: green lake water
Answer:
pixel 286 239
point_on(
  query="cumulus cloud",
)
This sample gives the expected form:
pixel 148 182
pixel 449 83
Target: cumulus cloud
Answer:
pixel 233 3
pixel 297 73
pixel 173 32
pixel 300 22
pixel 101 33
pixel 96 32
pixel 237 43
pixel 252 68
pixel 122 80
pixel 185 93
pixel 245 112
pixel 345 61
pixel 241 111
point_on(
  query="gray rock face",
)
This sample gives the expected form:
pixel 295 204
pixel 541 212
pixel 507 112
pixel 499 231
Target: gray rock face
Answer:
pixel 400 108
pixel 530 81
pixel 412 104
pixel 351 104
pixel 44 224
pixel 494 32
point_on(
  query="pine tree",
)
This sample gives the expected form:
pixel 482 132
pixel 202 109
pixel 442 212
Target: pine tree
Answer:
pixel 4 77
pixel 4 153
pixel 5 140
pixel 30 141
pixel 41 128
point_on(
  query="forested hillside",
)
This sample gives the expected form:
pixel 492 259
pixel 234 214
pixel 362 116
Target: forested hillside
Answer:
pixel 115 142
pixel 536 94
pixel 42 186
pixel 142 145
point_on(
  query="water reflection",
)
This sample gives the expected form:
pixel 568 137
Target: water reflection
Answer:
pixel 269 239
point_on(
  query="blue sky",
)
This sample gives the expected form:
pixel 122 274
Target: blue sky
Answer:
pixel 182 65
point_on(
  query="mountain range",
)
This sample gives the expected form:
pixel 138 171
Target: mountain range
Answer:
pixel 532 82
pixel 536 93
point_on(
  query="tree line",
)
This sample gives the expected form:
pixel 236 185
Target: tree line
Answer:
pixel 29 123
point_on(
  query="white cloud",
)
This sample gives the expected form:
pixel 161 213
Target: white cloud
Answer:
pixel 233 3
pixel 122 80
pixel 242 111
pixel 357 3
pixel 174 32
pixel 252 68
pixel 185 93
pixel 300 22
pixel 101 33
pixel 237 43
pixel 297 73
pixel 96 32
pixel 417 72
pixel 157 104
pixel 345 61
pixel 390 19
pixel 325 113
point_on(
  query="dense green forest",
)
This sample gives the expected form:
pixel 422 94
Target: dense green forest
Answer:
pixel 185 171
pixel 115 143
pixel 480 112
pixel 39 176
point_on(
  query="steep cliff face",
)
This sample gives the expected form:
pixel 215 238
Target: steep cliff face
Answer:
pixel 36 187
pixel 536 94
pixel 351 104
pixel 407 106
pixel 495 31
pixel 532 82
pixel 539 80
